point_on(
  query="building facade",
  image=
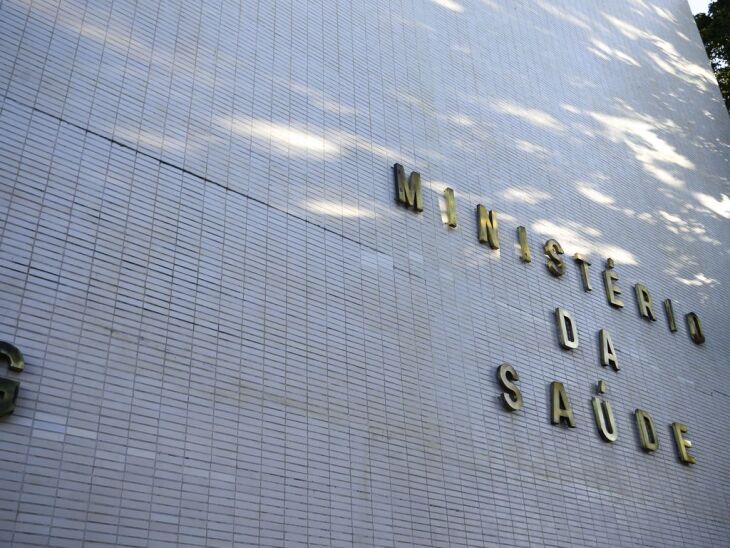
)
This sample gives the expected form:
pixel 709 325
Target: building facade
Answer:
pixel 234 333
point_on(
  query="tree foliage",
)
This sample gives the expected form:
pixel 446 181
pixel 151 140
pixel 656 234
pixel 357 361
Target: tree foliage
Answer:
pixel 714 28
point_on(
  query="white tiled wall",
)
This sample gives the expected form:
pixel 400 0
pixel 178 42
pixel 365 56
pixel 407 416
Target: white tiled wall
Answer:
pixel 234 335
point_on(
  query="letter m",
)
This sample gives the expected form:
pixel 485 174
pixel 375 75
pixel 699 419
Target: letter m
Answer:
pixel 408 192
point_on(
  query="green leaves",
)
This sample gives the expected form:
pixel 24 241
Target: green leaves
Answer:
pixel 714 27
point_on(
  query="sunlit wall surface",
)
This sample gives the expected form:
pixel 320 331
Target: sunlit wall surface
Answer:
pixel 234 335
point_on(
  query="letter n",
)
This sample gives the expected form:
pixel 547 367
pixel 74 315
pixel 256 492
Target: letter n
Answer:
pixel 408 191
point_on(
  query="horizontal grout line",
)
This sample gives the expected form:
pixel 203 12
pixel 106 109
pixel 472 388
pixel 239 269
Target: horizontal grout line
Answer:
pixel 197 176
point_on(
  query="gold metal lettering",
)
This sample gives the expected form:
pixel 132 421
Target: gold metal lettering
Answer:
pixel 8 396
pixel 554 263
pixel 608 352
pixel 682 444
pixel 647 431
pixel 560 405
pixel 567 330
pixel 512 398
pixel 695 328
pixel 14 356
pixel 605 421
pixel 669 310
pixel 408 191
pixel 8 387
pixel 524 246
pixel 609 281
pixel 643 298
pixel 583 264
pixel 450 207
pixel 488 227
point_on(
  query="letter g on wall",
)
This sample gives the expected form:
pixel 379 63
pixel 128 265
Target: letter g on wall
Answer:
pixel 8 387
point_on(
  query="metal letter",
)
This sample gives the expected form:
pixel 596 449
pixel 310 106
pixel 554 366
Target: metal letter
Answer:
pixel 450 207
pixel 669 310
pixel 604 416
pixel 608 352
pixel 8 395
pixel 560 405
pixel 488 227
pixel 647 431
pixel 524 246
pixel 682 444
pixel 408 192
pixel 612 290
pixel 695 328
pixel 567 330
pixel 512 399
pixel 644 300
pixel 554 264
pixel 8 387
pixel 15 356
pixel 583 264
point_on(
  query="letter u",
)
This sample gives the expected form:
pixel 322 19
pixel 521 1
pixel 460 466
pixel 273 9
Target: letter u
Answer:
pixel 604 419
